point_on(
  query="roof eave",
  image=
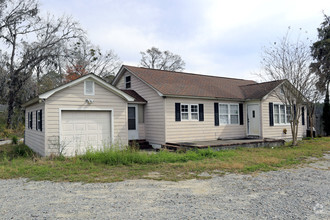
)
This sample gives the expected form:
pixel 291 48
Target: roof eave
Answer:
pixel 31 102
pixel 204 97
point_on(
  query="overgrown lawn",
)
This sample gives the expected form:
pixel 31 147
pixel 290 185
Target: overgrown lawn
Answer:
pixel 113 165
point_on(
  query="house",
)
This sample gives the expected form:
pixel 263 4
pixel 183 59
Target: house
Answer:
pixel 156 105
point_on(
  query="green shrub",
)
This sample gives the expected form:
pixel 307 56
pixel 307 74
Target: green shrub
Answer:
pixel 22 150
pixel 14 140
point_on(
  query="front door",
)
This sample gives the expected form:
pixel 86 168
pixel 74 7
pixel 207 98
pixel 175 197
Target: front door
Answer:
pixel 133 133
pixel 253 119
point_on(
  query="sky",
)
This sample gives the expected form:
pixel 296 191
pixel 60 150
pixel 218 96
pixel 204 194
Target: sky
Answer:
pixel 222 38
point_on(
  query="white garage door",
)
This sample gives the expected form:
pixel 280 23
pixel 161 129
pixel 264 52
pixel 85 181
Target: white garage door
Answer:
pixel 84 129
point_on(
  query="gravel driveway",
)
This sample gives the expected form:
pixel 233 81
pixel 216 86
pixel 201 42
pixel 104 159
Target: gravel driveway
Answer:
pixel 302 193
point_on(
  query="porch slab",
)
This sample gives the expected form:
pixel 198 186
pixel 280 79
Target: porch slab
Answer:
pixel 230 143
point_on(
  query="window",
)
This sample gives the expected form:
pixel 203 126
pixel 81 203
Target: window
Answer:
pixel 234 114
pixel 39 120
pixel 128 82
pixel 89 87
pixel 282 114
pixel 184 112
pixel 189 112
pixel 224 117
pixel 288 114
pixel 228 113
pixel 131 118
pixel 194 112
pixel 30 120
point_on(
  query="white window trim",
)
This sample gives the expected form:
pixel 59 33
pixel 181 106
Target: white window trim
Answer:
pixel 279 114
pixel 38 120
pixel 189 112
pixel 229 115
pixel 85 93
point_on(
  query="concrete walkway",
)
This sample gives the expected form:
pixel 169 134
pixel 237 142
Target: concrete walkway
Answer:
pixel 10 141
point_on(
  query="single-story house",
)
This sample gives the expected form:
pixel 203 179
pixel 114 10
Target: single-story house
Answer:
pixel 156 105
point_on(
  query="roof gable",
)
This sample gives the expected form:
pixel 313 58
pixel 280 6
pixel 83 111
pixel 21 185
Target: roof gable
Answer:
pixel 260 90
pixel 97 79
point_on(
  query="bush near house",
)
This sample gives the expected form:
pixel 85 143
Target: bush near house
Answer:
pixel 6 133
pixel 18 161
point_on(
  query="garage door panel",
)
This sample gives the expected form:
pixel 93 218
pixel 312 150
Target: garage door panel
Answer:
pixel 83 130
pixel 80 127
pixel 92 127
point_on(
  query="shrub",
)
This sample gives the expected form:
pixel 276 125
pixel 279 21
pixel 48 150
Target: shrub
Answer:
pixel 22 150
pixel 14 140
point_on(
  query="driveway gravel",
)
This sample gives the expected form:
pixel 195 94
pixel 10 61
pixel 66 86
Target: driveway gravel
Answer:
pixel 301 193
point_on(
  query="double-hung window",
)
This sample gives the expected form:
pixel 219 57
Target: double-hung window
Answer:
pixel 282 114
pixel 39 120
pixel 288 114
pixel 228 113
pixel 194 112
pixel 189 112
pixel 30 120
pixel 184 112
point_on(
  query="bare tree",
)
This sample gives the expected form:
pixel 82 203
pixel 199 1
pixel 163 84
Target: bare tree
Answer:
pixel 164 60
pixel 30 41
pixel 92 59
pixel 290 60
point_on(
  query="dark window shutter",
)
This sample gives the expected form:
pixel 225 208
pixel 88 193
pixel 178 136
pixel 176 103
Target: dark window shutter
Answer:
pixel 308 125
pixel 241 119
pixel 36 120
pixel 31 123
pixel 294 111
pixel 216 114
pixel 40 120
pixel 201 112
pixel 29 119
pixel 177 112
pixel 302 115
pixel 271 116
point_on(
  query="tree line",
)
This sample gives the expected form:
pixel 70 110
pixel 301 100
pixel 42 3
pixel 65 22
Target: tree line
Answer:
pixel 40 53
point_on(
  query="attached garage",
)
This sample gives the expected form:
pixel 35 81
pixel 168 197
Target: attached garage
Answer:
pixel 82 114
pixel 82 130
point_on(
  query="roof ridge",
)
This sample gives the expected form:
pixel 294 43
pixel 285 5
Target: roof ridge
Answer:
pixel 194 74
pixel 263 83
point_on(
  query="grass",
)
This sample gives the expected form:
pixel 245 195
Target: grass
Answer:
pixel 18 161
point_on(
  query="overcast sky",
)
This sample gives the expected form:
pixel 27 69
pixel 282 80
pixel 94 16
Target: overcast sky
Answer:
pixel 223 37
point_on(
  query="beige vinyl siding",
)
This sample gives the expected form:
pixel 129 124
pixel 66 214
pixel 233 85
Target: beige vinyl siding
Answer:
pixel 154 110
pixel 142 131
pixel 182 131
pixel 33 138
pixel 276 131
pixel 74 98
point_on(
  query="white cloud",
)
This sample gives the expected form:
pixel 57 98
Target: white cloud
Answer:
pixel 213 37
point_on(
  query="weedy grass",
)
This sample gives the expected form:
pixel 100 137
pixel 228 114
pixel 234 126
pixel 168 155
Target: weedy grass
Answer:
pixel 110 165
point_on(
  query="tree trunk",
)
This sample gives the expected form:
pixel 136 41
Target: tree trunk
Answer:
pixel 293 133
pixel 11 103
